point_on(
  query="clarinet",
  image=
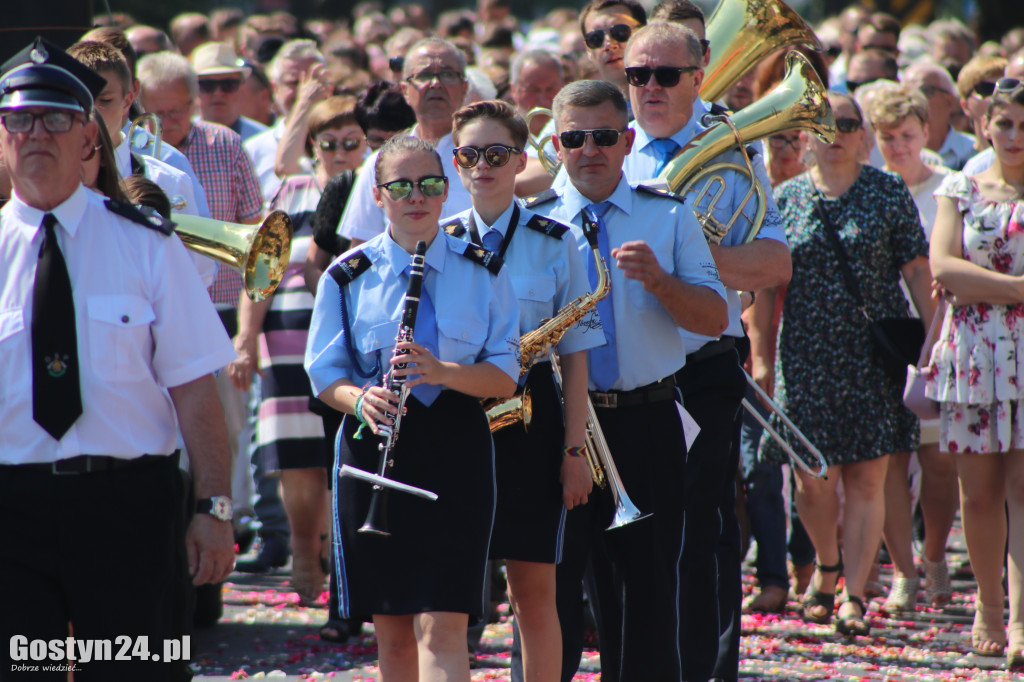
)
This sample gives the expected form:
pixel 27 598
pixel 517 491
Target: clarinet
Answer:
pixel 376 517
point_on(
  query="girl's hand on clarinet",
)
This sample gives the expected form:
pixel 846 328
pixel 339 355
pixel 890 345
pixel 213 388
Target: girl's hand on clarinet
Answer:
pixel 379 406
pixel 424 367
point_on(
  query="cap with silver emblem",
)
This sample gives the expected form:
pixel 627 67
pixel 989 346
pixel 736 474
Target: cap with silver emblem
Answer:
pixel 43 75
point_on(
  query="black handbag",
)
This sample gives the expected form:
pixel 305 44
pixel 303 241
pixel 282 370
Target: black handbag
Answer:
pixel 897 340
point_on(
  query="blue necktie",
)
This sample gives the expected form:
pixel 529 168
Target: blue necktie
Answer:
pixel 666 148
pixel 425 334
pixel 492 241
pixel 604 360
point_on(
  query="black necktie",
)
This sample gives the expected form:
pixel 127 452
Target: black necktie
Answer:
pixel 56 396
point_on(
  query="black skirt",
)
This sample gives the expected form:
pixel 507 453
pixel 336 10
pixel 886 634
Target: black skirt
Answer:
pixel 436 555
pixel 529 523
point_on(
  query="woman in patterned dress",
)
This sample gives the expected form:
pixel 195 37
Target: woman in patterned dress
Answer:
pixel 977 255
pixel 828 379
pixel 289 437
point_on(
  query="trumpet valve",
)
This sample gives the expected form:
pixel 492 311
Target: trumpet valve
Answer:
pixel 714 229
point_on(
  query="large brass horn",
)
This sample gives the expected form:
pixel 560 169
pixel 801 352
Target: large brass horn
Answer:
pixel 742 33
pixel 259 252
pixel 799 102
pixel 150 138
pixel 546 156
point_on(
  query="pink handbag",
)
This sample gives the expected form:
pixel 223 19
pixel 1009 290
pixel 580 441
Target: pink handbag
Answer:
pixel 913 392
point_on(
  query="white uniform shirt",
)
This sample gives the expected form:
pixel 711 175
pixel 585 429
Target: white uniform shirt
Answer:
pixel 262 149
pixel 363 219
pixel 649 343
pixel 547 273
pixel 144 323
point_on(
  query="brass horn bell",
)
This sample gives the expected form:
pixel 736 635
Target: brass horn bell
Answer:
pixel 259 252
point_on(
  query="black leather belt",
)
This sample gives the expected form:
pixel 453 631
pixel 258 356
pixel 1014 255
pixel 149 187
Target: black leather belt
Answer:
pixel 92 464
pixel 651 393
pixel 711 349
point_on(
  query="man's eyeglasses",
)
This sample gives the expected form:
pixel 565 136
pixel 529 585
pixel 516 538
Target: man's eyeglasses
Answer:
pixel 603 137
pixel 984 89
pixel 851 86
pixel 619 33
pixel 53 121
pixel 848 125
pixel 496 155
pixel 349 144
pixel 425 78
pixel 430 186
pixel 780 142
pixel 665 76
pixel 208 86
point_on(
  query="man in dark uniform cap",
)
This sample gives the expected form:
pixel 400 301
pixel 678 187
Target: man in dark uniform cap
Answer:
pixel 107 342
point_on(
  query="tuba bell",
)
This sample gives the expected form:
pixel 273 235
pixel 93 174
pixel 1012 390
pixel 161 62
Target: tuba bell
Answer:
pixel 742 33
pixel 260 253
pixel 799 102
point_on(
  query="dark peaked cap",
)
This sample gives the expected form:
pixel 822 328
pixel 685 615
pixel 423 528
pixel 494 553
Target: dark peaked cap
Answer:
pixel 44 75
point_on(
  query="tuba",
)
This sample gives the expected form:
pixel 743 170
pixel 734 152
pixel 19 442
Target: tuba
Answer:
pixel 260 253
pixel 799 102
pixel 742 33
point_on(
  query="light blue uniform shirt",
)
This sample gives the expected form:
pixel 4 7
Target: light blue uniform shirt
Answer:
pixel 639 168
pixel 477 315
pixel 649 343
pixel 981 161
pixel 547 273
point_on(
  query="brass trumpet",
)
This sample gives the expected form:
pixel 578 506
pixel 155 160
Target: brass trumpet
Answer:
pixel 155 141
pixel 547 159
pixel 259 252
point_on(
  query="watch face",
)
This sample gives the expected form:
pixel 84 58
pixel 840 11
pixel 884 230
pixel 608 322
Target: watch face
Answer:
pixel 221 508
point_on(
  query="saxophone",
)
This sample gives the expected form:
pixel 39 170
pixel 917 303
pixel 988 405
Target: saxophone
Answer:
pixel 538 345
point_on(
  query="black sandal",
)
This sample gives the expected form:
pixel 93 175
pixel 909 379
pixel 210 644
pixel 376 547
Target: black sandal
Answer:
pixel 826 600
pixel 854 626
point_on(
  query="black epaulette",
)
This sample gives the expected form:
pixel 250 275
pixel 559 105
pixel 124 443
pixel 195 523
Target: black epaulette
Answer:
pixel 660 192
pixel 538 199
pixel 346 271
pixel 143 215
pixel 454 227
pixel 718 110
pixel 548 226
pixel 752 151
pixel 488 259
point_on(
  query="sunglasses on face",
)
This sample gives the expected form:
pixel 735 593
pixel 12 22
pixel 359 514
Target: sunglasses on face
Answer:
pixel 665 76
pixel 53 121
pixel 619 33
pixel 851 86
pixel 396 64
pixel 984 89
pixel 780 142
pixel 496 155
pixel 603 137
pixel 1007 85
pixel 425 78
pixel 430 186
pixel 930 91
pixel 348 144
pixel 848 125
pixel 208 86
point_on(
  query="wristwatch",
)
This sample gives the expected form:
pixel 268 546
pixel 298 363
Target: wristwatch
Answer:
pixel 219 507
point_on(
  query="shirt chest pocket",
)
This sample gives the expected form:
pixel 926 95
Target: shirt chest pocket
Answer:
pixel 460 339
pixel 14 354
pixel 377 337
pixel 121 346
pixel 536 299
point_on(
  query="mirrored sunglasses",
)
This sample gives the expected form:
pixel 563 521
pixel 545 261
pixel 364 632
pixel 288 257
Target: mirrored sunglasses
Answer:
pixel 603 137
pixel 430 186
pixel 348 144
pixel 53 121
pixel 619 33
pixel 208 86
pixel 665 76
pixel 496 155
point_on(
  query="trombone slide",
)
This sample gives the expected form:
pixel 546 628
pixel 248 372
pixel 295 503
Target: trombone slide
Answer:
pixel 822 470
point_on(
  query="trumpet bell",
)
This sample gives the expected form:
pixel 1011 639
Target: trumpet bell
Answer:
pixel 260 253
pixel 742 32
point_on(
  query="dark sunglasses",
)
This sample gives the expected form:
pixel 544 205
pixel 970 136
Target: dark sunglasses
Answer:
pixel 1007 85
pixel 430 186
pixel 851 86
pixel 603 137
pixel 208 86
pixel 425 78
pixel 619 33
pixel 53 121
pixel 348 144
pixel 848 125
pixel 496 155
pixel 930 91
pixel 833 51
pixel 984 89
pixel 396 64
pixel 665 76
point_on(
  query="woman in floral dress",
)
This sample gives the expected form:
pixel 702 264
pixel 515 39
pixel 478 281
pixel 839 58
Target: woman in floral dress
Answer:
pixel 827 378
pixel 977 255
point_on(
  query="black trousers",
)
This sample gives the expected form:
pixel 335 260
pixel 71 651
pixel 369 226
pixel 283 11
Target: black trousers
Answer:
pixel 710 600
pixel 102 551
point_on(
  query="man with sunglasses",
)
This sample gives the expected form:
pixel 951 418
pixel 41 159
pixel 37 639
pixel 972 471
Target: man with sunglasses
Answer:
pixel 221 75
pixel 663 66
pixel 434 85
pixel 606 27
pixel 663 281
pixel 107 344
pixel 954 147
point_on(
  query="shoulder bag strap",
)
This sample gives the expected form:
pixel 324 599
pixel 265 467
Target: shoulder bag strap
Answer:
pixel 844 262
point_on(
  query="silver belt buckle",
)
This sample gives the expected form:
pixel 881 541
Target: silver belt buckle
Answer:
pixel 607 400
